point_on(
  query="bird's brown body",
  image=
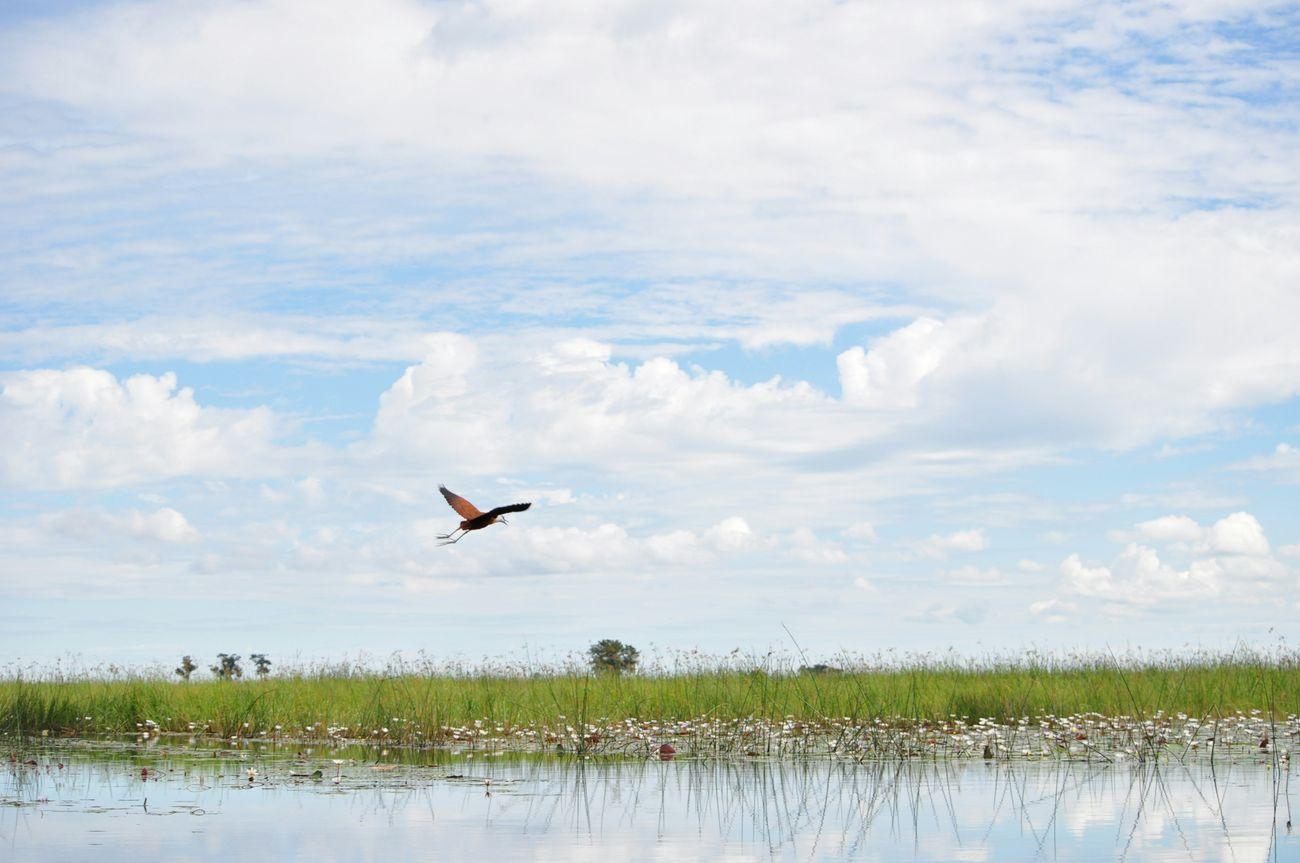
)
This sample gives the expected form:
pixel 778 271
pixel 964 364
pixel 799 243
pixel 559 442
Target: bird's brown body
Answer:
pixel 472 517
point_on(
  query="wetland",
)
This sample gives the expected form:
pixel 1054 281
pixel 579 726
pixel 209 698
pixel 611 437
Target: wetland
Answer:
pixel 166 797
pixel 1162 760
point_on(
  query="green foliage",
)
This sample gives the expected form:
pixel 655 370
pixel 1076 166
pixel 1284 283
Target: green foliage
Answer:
pixel 261 664
pixel 227 667
pixel 422 705
pixel 611 656
pixel 186 668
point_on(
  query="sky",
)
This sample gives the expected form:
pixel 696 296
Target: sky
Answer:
pixel 861 326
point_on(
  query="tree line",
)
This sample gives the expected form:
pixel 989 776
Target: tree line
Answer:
pixel 227 666
pixel 607 656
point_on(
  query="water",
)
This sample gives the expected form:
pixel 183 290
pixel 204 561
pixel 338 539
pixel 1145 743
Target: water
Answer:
pixel 196 802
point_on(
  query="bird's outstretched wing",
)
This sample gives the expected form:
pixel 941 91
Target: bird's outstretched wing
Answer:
pixel 464 508
pixel 514 507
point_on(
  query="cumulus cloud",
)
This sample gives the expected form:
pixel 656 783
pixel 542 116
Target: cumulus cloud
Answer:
pixel 1170 528
pixel 573 405
pixel 811 187
pixel 574 411
pixel 1231 558
pixel 891 374
pixel 1000 250
pixel 1238 533
pixel 1140 577
pixel 83 428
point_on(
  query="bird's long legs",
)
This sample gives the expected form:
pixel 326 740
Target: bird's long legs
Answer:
pixel 448 537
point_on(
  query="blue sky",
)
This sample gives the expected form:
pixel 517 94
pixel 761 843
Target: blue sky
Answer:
pixel 899 325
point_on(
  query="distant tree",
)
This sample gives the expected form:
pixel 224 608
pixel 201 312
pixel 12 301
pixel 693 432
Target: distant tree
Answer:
pixel 228 667
pixel 187 667
pixel 263 665
pixel 612 656
pixel 819 668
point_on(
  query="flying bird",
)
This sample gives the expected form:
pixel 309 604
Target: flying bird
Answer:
pixel 473 519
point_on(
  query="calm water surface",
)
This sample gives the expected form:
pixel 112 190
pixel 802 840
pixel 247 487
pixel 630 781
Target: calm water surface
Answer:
pixel 197 803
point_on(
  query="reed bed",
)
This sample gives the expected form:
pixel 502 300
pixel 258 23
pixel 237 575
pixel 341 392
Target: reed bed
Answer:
pixel 1034 704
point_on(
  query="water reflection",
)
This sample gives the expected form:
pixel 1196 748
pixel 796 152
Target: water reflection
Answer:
pixel 107 801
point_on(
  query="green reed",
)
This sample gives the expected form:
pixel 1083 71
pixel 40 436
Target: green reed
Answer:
pixel 418 704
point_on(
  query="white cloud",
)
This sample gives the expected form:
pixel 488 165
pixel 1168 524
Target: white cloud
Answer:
pixel 1027 565
pixel 730 535
pixel 237 336
pixel 164 525
pixel 1053 610
pixel 1282 464
pixel 633 82
pixel 677 546
pixel 1239 533
pixel 890 374
pixel 83 428
pixel 960 541
pixel 606 549
pixel 658 428
pixel 782 149
pixel 804 545
pixel 862 530
pixel 1039 261
pixel 1086 580
pixel 1170 528
pixel 1291 550
pixel 1228 559
pixel 1139 577
pixel 572 405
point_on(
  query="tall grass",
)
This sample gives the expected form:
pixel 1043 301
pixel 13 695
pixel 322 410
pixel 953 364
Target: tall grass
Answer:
pixel 410 704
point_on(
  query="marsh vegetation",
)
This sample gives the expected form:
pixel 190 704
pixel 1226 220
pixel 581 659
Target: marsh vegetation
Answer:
pixel 1032 706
